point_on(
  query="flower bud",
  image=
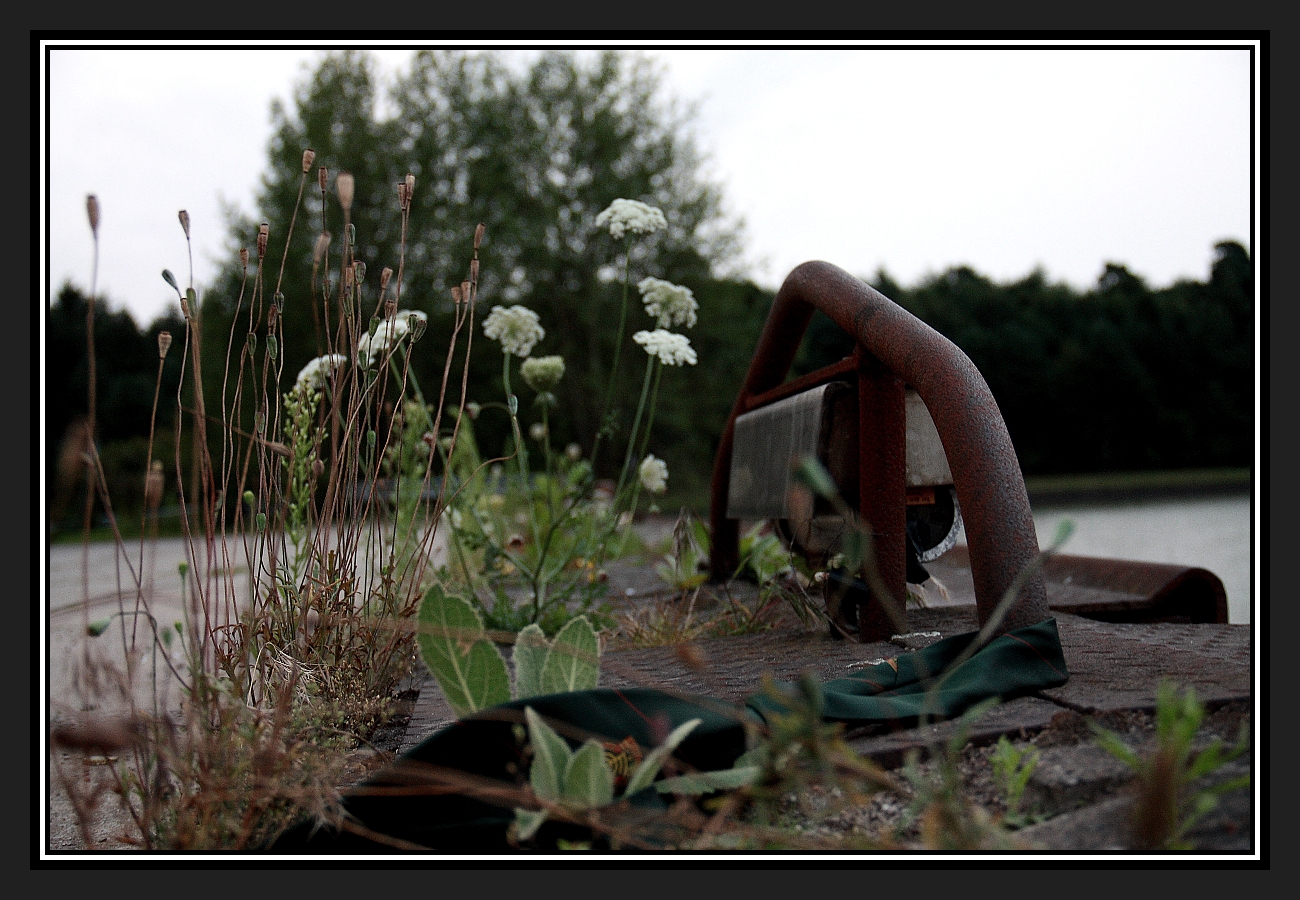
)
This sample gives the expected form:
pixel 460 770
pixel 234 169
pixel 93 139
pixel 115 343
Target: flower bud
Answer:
pixel 317 468
pixel 185 223
pixel 416 325
pixel 346 187
pixel 308 157
pixel 278 299
pixel 359 270
pixel 185 309
pixel 92 210
pixel 263 236
pixel 164 343
pixel 322 245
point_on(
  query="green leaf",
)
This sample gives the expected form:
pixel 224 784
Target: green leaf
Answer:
pixel 588 779
pixel 527 821
pixel 573 661
pixel 1111 743
pixel 654 760
pixel 810 471
pixel 95 629
pixel 469 668
pixel 551 757
pixel 531 649
pixel 697 783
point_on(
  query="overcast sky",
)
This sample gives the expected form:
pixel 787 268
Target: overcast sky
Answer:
pixel 913 159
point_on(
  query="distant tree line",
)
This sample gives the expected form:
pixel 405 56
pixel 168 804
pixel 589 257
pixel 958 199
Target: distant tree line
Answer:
pixel 1117 377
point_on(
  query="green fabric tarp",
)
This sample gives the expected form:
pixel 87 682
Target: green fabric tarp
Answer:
pixel 438 797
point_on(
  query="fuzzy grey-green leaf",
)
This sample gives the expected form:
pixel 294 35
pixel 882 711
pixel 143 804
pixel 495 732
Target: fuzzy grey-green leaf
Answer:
pixel 573 663
pixel 469 668
pixel 551 757
pixel 588 779
pixel 531 648
pixel 654 760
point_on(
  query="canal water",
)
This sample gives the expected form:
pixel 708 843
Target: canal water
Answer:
pixel 1213 533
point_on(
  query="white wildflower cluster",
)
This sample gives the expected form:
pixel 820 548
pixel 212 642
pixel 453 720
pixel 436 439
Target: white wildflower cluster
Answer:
pixel 542 373
pixel 631 215
pixel 388 334
pixel 517 327
pixel 654 474
pixel 672 349
pixel 667 303
pixel 315 376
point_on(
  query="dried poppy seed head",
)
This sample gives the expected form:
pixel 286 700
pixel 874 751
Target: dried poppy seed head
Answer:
pixel 410 186
pixel 92 210
pixel 359 269
pixel 323 176
pixel 263 235
pixel 385 276
pixel 478 234
pixel 164 343
pixel 473 269
pixel 346 187
pixel 390 308
pixel 402 197
pixel 322 244
pixel 185 223
pixel 185 309
pixel 465 290
pixel 243 258
pixel 308 157
pixel 455 294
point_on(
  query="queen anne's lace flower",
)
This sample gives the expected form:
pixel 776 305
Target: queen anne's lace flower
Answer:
pixel 631 215
pixel 316 374
pixel 542 373
pixel 672 349
pixel 669 304
pixel 517 328
pixel 654 474
pixel 388 334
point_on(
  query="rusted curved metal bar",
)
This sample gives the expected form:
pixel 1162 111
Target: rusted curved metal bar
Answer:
pixel 986 474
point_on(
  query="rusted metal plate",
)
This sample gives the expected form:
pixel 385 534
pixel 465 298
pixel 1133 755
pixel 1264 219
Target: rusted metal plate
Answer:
pixel 1112 590
pixel 768 441
pixel 1120 665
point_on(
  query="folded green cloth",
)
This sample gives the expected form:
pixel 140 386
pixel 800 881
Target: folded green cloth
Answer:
pixel 437 797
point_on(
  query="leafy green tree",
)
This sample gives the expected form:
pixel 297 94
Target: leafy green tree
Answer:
pixel 534 155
